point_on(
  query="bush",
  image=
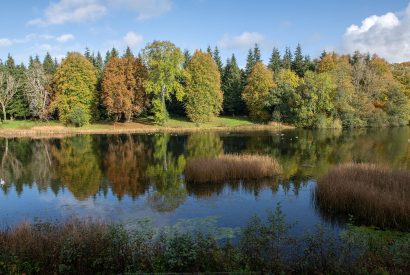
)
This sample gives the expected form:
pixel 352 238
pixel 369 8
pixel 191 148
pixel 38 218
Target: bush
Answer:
pixel 78 117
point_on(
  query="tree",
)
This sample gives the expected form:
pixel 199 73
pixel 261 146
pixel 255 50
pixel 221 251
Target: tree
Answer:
pixel 8 88
pixel 114 52
pixel 218 61
pixel 38 91
pixel 298 65
pixel 274 61
pixel 232 88
pixel 75 94
pixel 123 93
pixel 256 54
pixel 128 52
pixel 287 59
pixel 48 64
pixel 164 64
pixel 257 92
pixel 187 58
pixel 203 89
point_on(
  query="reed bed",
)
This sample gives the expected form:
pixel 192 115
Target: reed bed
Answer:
pixel 374 194
pixel 231 167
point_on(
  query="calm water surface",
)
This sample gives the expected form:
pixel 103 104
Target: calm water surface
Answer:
pixel 128 177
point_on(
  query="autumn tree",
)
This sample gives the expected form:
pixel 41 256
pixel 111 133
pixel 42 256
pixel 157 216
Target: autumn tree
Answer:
pixel 203 89
pixel 75 94
pixel 257 92
pixel 164 64
pixel 123 93
pixel 38 91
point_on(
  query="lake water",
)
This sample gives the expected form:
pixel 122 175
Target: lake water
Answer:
pixel 123 178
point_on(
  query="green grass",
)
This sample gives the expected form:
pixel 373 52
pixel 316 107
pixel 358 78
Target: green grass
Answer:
pixel 26 124
pixel 218 122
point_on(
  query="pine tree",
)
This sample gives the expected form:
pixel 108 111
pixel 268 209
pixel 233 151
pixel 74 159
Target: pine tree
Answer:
pixel 107 57
pixel 217 59
pixel 37 59
pixel 18 107
pixel 114 52
pixel 298 64
pixel 99 63
pixel 87 54
pixel 287 59
pixel 30 61
pixel 274 61
pixel 128 53
pixel 232 88
pixel 187 58
pixel 257 54
pixel 48 64
pixel 209 50
pixel 250 62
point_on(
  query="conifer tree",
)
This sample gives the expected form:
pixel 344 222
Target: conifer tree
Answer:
pixel 18 106
pixel 257 54
pixel 48 64
pixel 232 88
pixel 209 50
pixel 187 58
pixel 128 53
pixel 287 59
pixel 274 61
pixel 107 57
pixel 217 58
pixel 114 52
pixel 298 65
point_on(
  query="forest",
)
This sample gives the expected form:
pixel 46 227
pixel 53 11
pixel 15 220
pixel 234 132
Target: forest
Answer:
pixel 331 91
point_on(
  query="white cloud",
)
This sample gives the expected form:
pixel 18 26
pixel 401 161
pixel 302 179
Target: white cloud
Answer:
pixel 246 39
pixel 5 42
pixel 65 11
pixel 132 39
pixel 387 35
pixel 65 38
pixel 145 8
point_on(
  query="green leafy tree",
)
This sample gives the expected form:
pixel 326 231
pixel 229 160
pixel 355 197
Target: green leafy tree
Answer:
pixel 203 89
pixel 232 88
pixel 75 94
pixel 164 64
pixel 257 92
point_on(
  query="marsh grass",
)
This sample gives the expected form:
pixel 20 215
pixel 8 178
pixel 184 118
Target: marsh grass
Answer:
pixel 231 167
pixel 374 194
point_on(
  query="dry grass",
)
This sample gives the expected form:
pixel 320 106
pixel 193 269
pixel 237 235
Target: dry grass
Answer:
pixel 374 194
pixel 231 167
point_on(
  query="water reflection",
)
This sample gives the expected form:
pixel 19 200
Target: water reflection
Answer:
pixel 149 168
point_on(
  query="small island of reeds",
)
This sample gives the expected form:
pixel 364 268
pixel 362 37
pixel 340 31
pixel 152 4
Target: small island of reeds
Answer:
pixel 373 194
pixel 231 167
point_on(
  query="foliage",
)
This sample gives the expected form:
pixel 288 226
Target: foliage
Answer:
pixel 203 95
pixel 123 92
pixel 232 88
pixel 257 92
pixel 164 64
pixel 75 82
pixel 38 91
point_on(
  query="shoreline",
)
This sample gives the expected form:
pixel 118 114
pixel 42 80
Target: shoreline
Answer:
pixel 59 131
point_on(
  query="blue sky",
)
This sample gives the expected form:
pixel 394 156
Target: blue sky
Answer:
pixel 35 27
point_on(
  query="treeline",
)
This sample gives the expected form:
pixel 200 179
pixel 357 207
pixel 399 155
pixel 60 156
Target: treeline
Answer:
pixel 334 90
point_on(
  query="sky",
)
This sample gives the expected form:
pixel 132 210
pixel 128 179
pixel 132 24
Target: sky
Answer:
pixel 31 27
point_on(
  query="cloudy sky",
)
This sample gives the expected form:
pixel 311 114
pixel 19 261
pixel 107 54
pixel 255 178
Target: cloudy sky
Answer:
pixel 32 27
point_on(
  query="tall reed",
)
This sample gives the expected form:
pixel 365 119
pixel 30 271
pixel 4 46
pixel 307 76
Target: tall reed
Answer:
pixel 231 167
pixel 374 194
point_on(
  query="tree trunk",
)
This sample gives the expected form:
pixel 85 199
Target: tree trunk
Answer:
pixel 4 112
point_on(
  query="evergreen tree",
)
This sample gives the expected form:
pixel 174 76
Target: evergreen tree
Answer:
pixel 232 88
pixel 250 62
pixel 18 107
pixel 217 59
pixel 37 59
pixel 30 61
pixel 257 54
pixel 128 53
pixel 274 61
pixel 48 64
pixel 107 57
pixel 209 50
pixel 287 59
pixel 87 54
pixel 187 58
pixel 114 52
pixel 298 65
pixel 99 63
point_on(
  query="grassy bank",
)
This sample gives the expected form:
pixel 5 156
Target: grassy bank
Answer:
pixel 374 194
pixel 27 128
pixel 88 247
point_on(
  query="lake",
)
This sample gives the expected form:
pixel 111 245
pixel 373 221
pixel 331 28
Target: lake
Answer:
pixel 124 178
